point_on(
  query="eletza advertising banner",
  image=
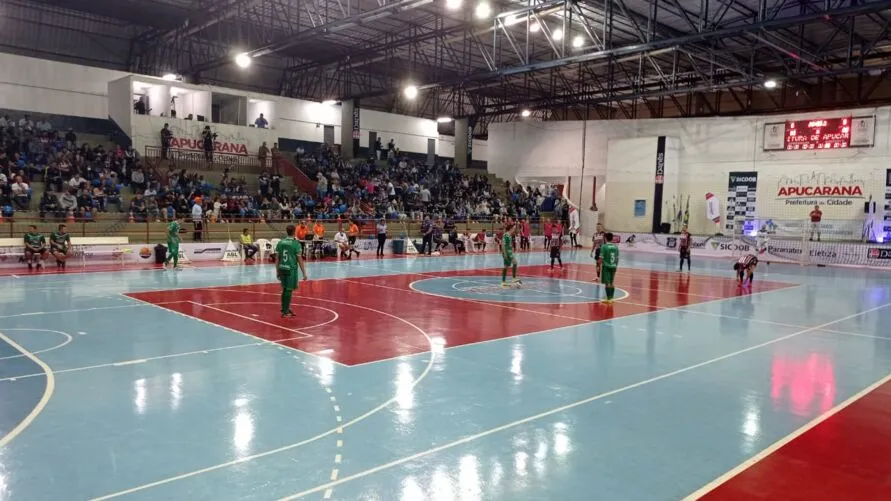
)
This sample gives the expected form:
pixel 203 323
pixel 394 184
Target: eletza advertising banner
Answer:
pixel 778 250
pixel 845 229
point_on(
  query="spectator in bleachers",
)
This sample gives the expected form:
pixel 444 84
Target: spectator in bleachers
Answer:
pixel 68 202
pixel 21 193
pixel 263 151
pixel 49 204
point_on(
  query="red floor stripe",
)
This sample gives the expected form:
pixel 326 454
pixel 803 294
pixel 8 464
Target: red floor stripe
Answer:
pixel 846 457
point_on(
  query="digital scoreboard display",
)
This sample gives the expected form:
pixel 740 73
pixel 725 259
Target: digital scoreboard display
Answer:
pixel 818 134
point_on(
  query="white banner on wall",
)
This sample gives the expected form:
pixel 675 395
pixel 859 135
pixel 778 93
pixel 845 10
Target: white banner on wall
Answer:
pixel 231 140
pixel 781 251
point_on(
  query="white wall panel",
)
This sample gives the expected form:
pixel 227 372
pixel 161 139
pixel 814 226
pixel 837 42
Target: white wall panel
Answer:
pixel 707 150
pixel 49 87
pixel 68 89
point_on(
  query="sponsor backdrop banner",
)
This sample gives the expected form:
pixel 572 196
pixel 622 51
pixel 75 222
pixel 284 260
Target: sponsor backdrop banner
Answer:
pixel 778 251
pixel 659 183
pixel 886 219
pixel 231 140
pixel 741 201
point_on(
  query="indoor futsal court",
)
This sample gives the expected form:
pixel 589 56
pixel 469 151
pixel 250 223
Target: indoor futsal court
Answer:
pixel 422 379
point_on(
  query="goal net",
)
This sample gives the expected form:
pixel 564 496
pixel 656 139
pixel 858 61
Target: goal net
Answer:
pixel 810 217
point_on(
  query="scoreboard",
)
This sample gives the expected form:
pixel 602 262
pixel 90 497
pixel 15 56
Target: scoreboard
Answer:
pixel 820 134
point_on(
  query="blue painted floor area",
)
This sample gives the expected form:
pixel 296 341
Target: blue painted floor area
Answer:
pixel 148 404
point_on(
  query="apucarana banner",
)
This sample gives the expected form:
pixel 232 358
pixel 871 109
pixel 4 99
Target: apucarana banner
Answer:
pixel 774 250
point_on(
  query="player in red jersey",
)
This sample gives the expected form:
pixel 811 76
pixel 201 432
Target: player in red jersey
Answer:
pixel 745 269
pixel 685 241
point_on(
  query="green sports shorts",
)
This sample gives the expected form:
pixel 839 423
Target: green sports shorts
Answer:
pixel 509 260
pixel 288 279
pixel 608 275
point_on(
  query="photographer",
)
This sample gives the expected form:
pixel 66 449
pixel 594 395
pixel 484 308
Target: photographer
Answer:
pixel 209 137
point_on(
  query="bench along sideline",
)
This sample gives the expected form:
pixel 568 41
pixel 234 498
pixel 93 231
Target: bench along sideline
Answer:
pixel 12 249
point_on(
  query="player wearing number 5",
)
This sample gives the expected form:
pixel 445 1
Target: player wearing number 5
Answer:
pixel 507 252
pixel 173 230
pixel 609 261
pixel 290 258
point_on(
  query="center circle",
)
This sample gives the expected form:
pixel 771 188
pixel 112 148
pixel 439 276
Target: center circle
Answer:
pixel 533 290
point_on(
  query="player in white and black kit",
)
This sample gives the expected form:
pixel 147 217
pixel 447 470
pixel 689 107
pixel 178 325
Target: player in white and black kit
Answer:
pixel 745 269
pixel 556 249
pixel 685 242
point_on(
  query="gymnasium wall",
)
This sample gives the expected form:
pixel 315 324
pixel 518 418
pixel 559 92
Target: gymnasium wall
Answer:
pixel 708 149
pixel 37 85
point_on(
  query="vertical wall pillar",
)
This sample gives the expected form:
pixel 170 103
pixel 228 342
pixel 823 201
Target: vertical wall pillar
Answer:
pixel 463 143
pixel 349 129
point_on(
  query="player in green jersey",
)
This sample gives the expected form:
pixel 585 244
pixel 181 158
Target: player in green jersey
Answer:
pixel 609 262
pixel 35 248
pixel 290 257
pixel 507 252
pixel 60 245
pixel 173 231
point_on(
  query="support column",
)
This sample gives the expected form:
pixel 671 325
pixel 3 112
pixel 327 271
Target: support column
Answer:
pixel 463 143
pixel 349 129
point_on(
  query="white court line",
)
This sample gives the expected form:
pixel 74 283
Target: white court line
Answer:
pixel 475 301
pixel 714 484
pixel 659 308
pixel 41 404
pixel 584 323
pixel 219 326
pixel 125 362
pixel 68 339
pixel 331 321
pixel 338 430
pixel 566 407
pixel 33 313
pixel 214 308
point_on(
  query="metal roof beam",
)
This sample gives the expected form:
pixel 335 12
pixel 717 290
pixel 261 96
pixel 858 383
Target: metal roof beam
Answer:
pixel 220 13
pixel 594 98
pixel 335 26
pixel 765 25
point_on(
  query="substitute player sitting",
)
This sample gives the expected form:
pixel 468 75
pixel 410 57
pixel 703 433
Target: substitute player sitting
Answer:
pixel 290 259
pixel 60 246
pixel 745 269
pixel 609 262
pixel 35 248
pixel 507 252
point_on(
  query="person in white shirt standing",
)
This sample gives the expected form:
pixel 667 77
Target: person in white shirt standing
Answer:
pixel 197 220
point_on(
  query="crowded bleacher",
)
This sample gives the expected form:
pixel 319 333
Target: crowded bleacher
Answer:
pixel 83 181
